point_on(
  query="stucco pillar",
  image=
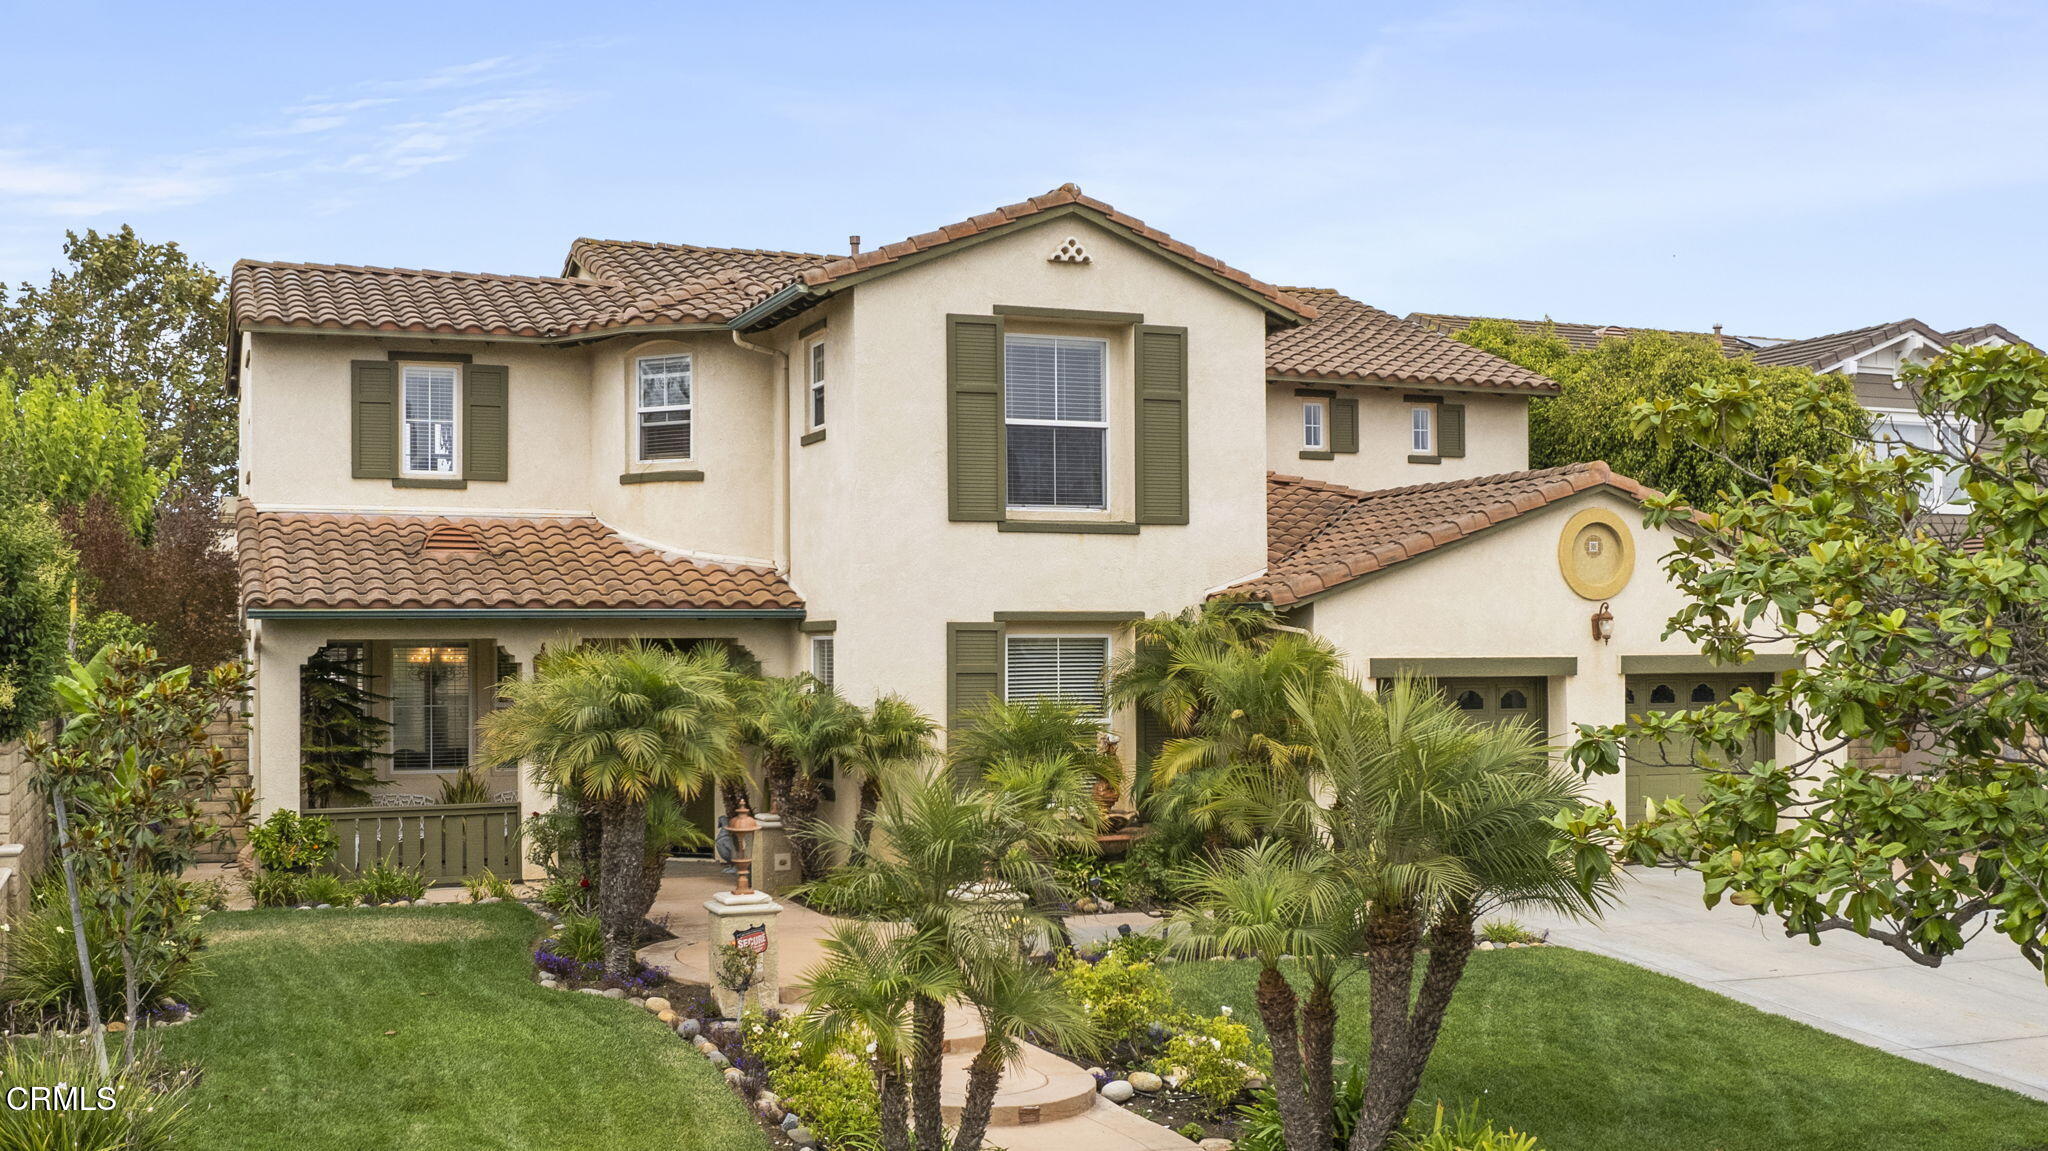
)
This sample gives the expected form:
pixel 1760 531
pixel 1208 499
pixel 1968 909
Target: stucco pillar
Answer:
pixel 275 743
pixel 1598 695
pixel 532 797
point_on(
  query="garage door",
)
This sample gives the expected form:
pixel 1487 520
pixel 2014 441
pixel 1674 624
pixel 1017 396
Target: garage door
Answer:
pixel 1523 698
pixel 1660 771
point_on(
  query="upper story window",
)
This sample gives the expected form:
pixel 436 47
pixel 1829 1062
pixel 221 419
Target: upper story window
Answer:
pixel 1896 431
pixel 821 659
pixel 816 365
pixel 663 418
pixel 1312 434
pixel 1056 418
pixel 429 403
pixel 1068 668
pixel 1422 429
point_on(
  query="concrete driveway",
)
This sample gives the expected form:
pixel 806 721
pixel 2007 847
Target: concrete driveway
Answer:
pixel 1982 1014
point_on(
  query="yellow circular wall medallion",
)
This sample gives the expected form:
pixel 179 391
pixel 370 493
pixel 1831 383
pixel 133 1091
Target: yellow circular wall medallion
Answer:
pixel 1596 554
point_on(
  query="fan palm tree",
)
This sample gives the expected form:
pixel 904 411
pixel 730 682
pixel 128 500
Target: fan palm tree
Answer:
pixel 1432 821
pixel 1038 729
pixel 805 730
pixel 965 877
pixel 1274 902
pixel 893 737
pixel 1016 1000
pixel 616 726
pixel 868 985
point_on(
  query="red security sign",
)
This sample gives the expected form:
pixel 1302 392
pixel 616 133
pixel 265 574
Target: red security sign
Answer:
pixel 754 939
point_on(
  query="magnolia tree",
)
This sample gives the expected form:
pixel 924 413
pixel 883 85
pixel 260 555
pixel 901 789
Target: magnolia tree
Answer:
pixel 1912 580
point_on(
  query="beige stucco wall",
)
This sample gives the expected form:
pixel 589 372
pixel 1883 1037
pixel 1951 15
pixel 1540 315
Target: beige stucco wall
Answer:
pixel 1496 436
pixel 1500 595
pixel 872 547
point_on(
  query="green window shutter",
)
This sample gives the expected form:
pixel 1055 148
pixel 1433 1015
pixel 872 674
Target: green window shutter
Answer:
pixel 974 670
pixel 373 419
pixel 1162 424
pixel 485 395
pixel 1344 424
pixel 1450 431
pixel 974 418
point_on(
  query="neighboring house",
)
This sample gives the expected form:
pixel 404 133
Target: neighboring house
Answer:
pixel 955 468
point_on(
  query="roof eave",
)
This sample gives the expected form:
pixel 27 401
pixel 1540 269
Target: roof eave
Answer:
pixel 289 613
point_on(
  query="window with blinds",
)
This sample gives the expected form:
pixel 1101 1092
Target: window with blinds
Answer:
pixel 430 705
pixel 430 418
pixel 821 659
pixel 664 407
pixel 817 373
pixel 1056 419
pixel 1063 667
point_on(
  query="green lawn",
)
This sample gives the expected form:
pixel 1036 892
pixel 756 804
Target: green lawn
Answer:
pixel 1591 1054
pixel 293 1053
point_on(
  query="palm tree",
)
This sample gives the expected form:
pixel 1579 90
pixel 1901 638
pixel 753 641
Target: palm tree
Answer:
pixel 616 726
pixel 804 729
pixel 964 875
pixel 1276 902
pixel 1016 999
pixel 1432 821
pixel 868 986
pixel 1036 729
pixel 893 736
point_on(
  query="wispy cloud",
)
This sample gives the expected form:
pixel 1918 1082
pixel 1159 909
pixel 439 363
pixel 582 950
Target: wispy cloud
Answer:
pixel 377 130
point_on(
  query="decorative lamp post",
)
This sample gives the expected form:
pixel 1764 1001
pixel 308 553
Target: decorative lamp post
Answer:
pixel 743 825
pixel 746 918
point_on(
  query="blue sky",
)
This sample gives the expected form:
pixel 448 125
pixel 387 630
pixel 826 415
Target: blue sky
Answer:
pixel 1784 169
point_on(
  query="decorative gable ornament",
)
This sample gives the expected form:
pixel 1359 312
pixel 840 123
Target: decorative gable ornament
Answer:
pixel 1070 252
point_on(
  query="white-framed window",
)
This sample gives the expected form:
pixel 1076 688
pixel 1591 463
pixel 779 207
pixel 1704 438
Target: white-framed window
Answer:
pixel 1944 492
pixel 665 408
pixel 430 402
pixel 1312 436
pixel 815 362
pixel 1063 667
pixel 821 659
pixel 1422 429
pixel 430 707
pixel 1056 417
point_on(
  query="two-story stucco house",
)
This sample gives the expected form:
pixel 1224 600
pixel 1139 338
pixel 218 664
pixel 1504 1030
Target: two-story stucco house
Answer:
pixel 953 468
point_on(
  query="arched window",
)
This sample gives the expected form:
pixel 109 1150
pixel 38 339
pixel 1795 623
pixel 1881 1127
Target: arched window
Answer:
pixel 1662 693
pixel 1703 693
pixel 1514 701
pixel 1470 701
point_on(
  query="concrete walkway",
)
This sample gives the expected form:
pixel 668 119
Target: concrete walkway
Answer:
pixel 1981 1014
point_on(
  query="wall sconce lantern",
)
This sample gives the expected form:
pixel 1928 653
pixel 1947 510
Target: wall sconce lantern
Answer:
pixel 1603 623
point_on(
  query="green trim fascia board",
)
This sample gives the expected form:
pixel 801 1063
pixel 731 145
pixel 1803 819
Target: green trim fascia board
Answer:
pixel 1069 616
pixel 812 328
pixel 283 613
pixel 682 476
pixel 1082 314
pixel 809 438
pixel 1317 393
pixel 1312 455
pixel 1451 666
pixel 818 626
pixel 1770 661
pixel 1076 527
pixel 429 357
pixel 421 482
pixel 768 307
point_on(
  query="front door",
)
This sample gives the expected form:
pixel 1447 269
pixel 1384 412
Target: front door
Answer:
pixel 1675 767
pixel 1503 700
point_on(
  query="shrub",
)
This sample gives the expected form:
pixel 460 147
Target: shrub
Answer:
pixel 41 972
pixel 1192 1132
pixel 325 888
pixel 486 885
pixel 208 894
pixel 35 569
pixel 1507 931
pixel 1467 1132
pixel 288 841
pixel 567 895
pixel 275 888
pixel 1262 1130
pixel 1136 948
pixel 466 786
pixel 1214 1057
pixel 1122 997
pixel 142 1108
pixel 385 882
pixel 831 1088
pixel 580 938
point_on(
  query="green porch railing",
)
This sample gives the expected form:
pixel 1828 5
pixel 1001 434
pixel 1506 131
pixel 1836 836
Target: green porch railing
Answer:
pixel 446 841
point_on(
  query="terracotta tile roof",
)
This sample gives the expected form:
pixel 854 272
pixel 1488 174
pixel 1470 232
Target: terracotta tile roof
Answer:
pixel 1831 349
pixel 725 280
pixel 1350 340
pixel 1322 535
pixel 344 296
pixel 346 561
pixel 1062 196
pixel 1581 337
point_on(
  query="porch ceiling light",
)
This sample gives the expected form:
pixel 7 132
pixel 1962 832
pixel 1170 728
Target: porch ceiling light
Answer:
pixel 1603 623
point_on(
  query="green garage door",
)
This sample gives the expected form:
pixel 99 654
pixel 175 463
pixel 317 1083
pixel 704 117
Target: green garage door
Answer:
pixel 1523 698
pixel 1672 768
